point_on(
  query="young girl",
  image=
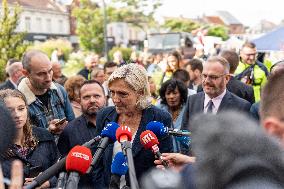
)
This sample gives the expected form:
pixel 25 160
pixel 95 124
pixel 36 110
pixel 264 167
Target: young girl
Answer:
pixel 34 146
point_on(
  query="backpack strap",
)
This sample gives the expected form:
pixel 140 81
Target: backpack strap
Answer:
pixel 245 72
pixel 262 67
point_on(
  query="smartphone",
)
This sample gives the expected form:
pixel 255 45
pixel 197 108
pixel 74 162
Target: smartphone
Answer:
pixel 34 171
pixel 60 121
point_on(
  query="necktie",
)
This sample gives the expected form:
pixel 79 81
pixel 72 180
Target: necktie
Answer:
pixel 210 106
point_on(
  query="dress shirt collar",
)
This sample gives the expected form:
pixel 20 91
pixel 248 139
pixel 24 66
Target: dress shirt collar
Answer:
pixel 216 101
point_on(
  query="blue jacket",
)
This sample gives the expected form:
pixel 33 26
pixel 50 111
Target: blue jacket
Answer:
pixel 60 104
pixel 44 155
pixel 176 125
pixel 143 159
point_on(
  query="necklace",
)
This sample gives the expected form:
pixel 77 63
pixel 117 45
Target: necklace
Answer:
pixel 175 113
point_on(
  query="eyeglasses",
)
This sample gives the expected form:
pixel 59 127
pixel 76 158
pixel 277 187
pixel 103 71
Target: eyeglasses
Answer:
pixel 212 77
pixel 252 54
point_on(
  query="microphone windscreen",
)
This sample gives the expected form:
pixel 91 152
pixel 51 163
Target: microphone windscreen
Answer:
pixel 7 128
pixel 184 140
pixel 123 130
pixel 148 139
pixel 157 127
pixel 110 130
pixel 119 165
pixel 79 159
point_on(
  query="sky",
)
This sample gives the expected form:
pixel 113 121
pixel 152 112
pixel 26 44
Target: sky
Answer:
pixel 248 12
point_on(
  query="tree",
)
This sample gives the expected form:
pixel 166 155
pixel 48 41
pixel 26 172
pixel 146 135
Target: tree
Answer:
pixel 11 43
pixel 90 19
pixel 89 25
pixel 218 31
pixel 180 25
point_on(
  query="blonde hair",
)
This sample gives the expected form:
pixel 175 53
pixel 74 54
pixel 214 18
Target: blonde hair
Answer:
pixel 136 77
pixel 29 140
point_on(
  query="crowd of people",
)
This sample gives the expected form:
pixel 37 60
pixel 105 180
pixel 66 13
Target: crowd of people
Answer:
pixel 231 104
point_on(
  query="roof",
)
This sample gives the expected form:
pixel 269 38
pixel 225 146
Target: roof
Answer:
pixel 39 4
pixel 228 18
pixel 214 20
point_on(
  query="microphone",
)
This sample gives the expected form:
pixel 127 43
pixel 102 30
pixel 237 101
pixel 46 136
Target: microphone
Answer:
pixel 60 165
pixel 118 168
pixel 150 141
pixel 93 142
pixel 160 130
pixel 108 136
pixel 77 163
pixel 61 181
pixel 124 136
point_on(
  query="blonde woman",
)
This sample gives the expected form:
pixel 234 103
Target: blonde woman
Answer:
pixel 129 89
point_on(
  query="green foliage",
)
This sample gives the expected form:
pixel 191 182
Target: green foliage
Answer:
pixel 218 31
pixel 49 45
pixel 138 12
pixel 90 19
pixel 126 52
pixel 89 26
pixel 74 64
pixel 181 25
pixel 11 44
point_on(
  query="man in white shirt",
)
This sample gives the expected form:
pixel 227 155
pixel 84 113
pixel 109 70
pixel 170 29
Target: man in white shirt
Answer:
pixel 15 71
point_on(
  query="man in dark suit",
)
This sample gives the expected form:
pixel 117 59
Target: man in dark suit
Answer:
pixel 235 86
pixel 215 97
pixel 15 72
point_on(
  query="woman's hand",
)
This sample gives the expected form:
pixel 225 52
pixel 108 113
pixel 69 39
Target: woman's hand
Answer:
pixel 43 186
pixel 176 161
pixel 28 181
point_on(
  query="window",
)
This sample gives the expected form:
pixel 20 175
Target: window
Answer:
pixel 28 23
pixel 60 26
pixel 48 25
pixel 39 24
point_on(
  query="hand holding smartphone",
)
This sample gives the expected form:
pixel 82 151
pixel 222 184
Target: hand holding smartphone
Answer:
pixel 61 121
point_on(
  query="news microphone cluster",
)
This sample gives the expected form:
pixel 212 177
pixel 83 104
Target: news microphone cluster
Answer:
pixel 107 136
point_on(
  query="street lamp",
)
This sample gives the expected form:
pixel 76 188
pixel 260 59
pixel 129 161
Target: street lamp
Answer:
pixel 105 30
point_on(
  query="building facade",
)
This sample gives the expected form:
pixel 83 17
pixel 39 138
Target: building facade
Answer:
pixel 42 19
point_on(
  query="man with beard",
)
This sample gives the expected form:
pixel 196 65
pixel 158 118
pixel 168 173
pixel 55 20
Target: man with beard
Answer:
pixel 48 102
pixel 83 128
pixel 215 97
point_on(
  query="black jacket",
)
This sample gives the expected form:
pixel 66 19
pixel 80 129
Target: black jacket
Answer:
pixel 44 155
pixel 7 85
pixel 143 159
pixel 240 89
pixel 85 73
